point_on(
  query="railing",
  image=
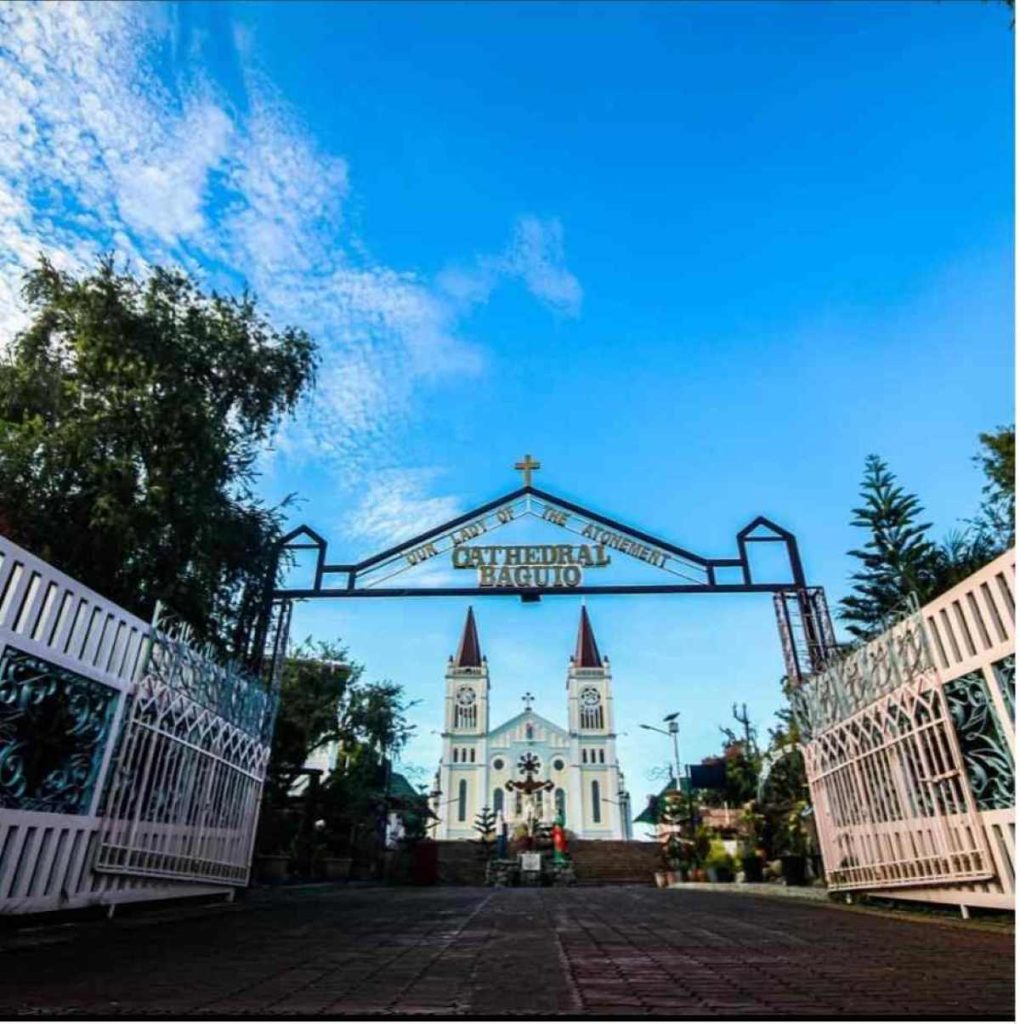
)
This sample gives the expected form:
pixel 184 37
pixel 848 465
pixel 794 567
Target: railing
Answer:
pixel 908 747
pixel 76 672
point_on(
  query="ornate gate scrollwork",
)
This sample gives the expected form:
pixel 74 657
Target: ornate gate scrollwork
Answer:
pixel 54 725
pixel 185 795
pixel 882 748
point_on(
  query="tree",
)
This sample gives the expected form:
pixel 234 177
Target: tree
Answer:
pixel 673 816
pixel 743 759
pixel 485 826
pixel 961 553
pixel 997 517
pixel 785 785
pixel 132 412
pixel 323 701
pixel 897 559
pixel 316 683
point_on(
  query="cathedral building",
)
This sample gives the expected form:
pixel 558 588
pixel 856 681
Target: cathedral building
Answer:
pixel 580 761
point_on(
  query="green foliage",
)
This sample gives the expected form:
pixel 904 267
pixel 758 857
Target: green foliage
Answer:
pixel 959 555
pixel 792 833
pixel 896 559
pixel 485 826
pixel 131 416
pixel 743 760
pixel 997 516
pixel 374 715
pixel 787 732
pixel 765 821
pixel 752 824
pixel 323 700
pixel 314 686
pixel 718 858
pixel 702 843
pixel 674 812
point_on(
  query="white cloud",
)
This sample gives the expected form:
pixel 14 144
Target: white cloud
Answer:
pixel 161 191
pixel 534 256
pixel 101 147
pixel 396 506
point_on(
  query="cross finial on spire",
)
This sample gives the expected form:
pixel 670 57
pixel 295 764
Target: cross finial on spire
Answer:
pixel 528 698
pixel 527 466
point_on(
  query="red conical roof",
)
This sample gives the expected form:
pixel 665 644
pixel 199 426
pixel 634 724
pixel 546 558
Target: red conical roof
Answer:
pixel 469 653
pixel 586 655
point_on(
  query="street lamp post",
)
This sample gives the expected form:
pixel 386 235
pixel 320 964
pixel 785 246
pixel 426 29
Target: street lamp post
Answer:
pixel 673 731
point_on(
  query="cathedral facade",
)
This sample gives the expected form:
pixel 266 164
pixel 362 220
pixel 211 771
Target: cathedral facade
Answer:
pixel 580 760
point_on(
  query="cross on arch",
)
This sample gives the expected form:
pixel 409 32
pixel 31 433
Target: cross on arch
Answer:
pixel 526 467
pixel 528 698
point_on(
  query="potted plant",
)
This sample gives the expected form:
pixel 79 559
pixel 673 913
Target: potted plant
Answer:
pixel 337 869
pixel 677 854
pixel 271 867
pixel 701 846
pixel 752 860
pixel 719 863
pixel 793 838
pixel 671 846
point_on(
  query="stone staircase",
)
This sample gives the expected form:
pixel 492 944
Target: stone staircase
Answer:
pixel 615 862
pixel 596 862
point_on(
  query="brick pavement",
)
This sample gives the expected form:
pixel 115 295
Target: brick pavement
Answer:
pixel 524 952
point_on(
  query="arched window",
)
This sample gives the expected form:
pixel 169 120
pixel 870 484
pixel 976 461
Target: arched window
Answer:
pixel 602 756
pixel 561 802
pixel 462 800
pixel 529 731
pixel 472 755
pixel 465 718
pixel 584 755
pixel 456 753
pixel 591 709
pixel 596 801
pixel 497 801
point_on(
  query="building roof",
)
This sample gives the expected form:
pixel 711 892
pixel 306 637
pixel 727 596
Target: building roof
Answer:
pixel 498 737
pixel 650 815
pixel 401 789
pixel 469 653
pixel 586 654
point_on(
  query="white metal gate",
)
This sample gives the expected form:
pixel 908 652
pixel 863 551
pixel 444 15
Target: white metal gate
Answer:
pixel 185 794
pixel 131 762
pixel 907 745
pixel 890 785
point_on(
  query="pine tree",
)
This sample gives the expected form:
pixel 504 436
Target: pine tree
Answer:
pixel 897 558
pixel 997 459
pixel 485 826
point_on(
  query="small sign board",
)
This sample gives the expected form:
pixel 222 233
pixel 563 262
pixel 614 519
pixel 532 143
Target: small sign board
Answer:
pixel 531 862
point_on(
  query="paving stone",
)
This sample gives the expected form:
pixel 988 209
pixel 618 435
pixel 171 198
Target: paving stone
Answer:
pixel 621 952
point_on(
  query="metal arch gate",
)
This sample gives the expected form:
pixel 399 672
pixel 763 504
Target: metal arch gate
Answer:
pixel 888 775
pixel 184 797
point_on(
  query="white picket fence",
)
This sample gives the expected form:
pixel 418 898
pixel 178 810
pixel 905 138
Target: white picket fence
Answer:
pixel 909 751
pixel 78 677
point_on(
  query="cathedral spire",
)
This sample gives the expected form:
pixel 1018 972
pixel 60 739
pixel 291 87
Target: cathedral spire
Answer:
pixel 469 653
pixel 586 654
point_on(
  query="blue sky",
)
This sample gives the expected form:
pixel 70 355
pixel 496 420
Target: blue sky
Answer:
pixel 701 259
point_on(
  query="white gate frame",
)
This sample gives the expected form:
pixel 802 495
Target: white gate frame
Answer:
pixel 185 795
pixel 895 809
pixel 48 857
